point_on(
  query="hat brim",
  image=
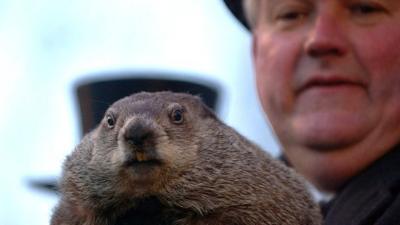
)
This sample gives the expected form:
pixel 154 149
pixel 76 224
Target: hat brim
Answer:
pixel 235 6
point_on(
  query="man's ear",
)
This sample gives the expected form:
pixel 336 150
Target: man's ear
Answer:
pixel 254 46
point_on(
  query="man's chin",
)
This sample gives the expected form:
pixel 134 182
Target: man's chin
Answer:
pixel 328 133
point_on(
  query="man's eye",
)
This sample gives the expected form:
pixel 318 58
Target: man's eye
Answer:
pixel 365 8
pixel 291 15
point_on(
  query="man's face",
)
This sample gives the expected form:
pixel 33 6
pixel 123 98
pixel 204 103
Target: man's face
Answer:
pixel 328 77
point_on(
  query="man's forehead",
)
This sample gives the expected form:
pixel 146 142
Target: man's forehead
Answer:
pixel 270 5
pixel 320 1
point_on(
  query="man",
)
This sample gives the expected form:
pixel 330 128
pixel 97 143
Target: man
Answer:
pixel 328 78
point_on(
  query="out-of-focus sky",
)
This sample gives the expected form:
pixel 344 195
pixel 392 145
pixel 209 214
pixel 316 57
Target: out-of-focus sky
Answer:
pixel 46 46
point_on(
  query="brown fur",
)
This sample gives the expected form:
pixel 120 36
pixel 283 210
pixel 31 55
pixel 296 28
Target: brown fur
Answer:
pixel 203 172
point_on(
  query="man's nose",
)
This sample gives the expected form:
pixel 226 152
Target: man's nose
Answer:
pixel 327 37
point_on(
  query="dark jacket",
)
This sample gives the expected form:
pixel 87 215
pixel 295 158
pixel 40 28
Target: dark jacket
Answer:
pixel 373 197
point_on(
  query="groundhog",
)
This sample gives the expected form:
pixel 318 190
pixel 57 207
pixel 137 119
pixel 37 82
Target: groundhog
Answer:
pixel 165 158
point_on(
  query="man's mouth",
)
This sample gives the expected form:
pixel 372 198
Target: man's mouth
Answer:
pixel 329 83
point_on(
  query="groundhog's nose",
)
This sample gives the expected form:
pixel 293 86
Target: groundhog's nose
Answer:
pixel 138 134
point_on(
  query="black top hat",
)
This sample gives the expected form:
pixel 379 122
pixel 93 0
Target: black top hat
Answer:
pixel 235 6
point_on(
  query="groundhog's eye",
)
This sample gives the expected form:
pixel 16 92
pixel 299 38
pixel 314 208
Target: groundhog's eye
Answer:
pixel 110 120
pixel 177 116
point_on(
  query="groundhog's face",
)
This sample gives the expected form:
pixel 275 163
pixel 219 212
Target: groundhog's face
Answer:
pixel 149 138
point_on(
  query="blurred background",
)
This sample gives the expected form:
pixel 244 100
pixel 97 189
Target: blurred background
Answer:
pixel 49 48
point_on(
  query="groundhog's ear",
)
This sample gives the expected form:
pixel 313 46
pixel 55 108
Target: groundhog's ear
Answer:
pixel 85 147
pixel 206 112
